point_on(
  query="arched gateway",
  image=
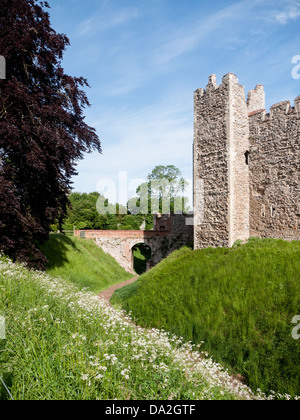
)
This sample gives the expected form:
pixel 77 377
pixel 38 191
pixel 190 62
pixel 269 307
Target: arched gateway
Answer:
pixel 119 243
pixel 141 255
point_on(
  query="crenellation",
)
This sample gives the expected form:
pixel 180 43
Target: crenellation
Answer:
pixel 249 161
pixel 199 93
pixel 212 83
pixel 229 77
pixel 256 99
pixel 281 108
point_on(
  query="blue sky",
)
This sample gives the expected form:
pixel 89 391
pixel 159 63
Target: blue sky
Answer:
pixel 145 58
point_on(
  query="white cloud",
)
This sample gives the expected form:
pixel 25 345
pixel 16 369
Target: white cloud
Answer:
pixel 103 21
pixel 290 12
pixel 285 17
pixel 143 61
pixel 187 38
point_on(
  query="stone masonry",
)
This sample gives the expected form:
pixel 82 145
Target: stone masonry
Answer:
pixel 248 163
pixel 170 232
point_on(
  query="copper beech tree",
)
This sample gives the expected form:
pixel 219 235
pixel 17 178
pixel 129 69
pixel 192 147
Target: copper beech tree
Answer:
pixel 42 129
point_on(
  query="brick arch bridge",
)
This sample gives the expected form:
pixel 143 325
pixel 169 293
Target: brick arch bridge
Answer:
pixel 170 232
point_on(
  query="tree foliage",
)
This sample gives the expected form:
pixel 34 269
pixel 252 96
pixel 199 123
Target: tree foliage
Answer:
pixel 82 214
pixel 165 185
pixel 42 128
pixel 163 193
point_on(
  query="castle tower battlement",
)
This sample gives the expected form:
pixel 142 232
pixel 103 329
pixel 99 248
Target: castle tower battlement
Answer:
pixel 221 140
pixel 256 99
pixel 248 161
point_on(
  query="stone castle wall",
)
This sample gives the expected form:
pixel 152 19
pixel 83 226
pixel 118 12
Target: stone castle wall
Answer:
pixel 249 164
pixel 210 166
pixel 220 141
pixel 275 171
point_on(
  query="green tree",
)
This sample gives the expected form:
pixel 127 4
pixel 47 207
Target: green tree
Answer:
pixel 130 222
pixel 83 214
pixel 163 193
pixel 169 172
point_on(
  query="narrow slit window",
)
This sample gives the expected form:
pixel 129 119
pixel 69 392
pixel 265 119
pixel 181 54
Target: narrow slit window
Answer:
pixel 247 157
pixel 273 211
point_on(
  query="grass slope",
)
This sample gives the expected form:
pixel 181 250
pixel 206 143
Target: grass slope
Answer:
pixel 239 301
pixel 82 262
pixel 63 343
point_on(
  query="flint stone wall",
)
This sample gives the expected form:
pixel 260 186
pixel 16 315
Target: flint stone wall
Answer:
pixel 248 162
pixel 274 172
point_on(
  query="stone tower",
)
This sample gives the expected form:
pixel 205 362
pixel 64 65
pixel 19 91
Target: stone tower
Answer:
pixel 246 165
pixel 221 162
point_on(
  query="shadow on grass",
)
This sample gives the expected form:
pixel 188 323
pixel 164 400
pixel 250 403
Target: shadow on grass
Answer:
pixel 56 249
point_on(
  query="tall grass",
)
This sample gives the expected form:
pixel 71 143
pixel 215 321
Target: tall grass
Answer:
pixel 240 302
pixel 64 343
pixel 82 262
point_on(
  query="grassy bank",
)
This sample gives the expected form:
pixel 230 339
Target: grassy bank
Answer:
pixel 82 262
pixel 239 301
pixel 63 343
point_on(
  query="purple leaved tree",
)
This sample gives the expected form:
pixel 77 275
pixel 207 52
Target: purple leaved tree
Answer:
pixel 42 129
